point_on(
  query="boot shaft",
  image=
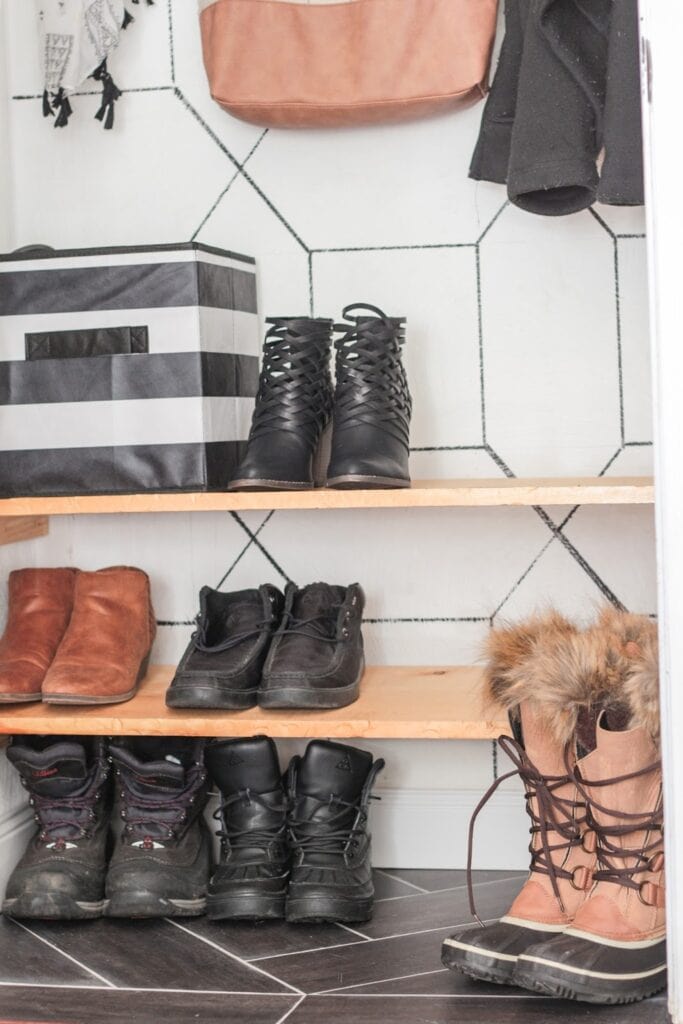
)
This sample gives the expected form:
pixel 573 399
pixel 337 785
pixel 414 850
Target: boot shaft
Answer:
pixel 40 603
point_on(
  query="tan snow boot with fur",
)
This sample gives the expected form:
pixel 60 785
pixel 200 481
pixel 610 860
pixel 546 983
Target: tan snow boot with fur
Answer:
pixel 615 949
pixel 522 677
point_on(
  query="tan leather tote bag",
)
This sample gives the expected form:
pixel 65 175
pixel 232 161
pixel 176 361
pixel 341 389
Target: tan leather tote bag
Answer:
pixel 289 64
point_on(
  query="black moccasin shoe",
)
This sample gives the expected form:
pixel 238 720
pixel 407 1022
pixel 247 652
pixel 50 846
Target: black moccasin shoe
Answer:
pixel 222 665
pixel 316 656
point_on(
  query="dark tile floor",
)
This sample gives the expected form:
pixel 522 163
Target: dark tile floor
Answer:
pixel 387 970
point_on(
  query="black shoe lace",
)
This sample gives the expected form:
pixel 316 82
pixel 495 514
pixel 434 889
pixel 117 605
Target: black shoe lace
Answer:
pixel 44 807
pixel 611 853
pixel 243 838
pixel 330 835
pixel 295 386
pixel 200 641
pixel 317 627
pixel 143 813
pixel 372 386
pixel 557 816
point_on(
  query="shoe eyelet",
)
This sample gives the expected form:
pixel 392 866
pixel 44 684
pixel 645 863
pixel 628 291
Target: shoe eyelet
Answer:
pixel 582 878
pixel 651 889
pixel 589 842
pixel 345 633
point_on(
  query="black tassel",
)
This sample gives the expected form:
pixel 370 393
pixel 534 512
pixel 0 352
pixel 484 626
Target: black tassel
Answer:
pixel 62 104
pixel 110 94
pixel 47 106
pixel 127 18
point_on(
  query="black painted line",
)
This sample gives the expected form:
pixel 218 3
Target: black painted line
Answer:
pixel 502 465
pixel 578 557
pixel 620 355
pixel 480 339
pixel 638 444
pixel 494 758
pixel 243 551
pixel 611 461
pixel 247 177
pixel 643 235
pixel 311 292
pixel 450 448
pixel 603 223
pixel 421 619
pixel 488 227
pixel 171 41
pixel 227 188
pixel 417 247
pixel 264 551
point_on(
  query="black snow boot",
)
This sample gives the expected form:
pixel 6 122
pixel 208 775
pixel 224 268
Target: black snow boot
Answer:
pixel 372 403
pixel 288 446
pixel 222 665
pixel 162 855
pixel 329 792
pixel 250 883
pixel 316 657
pixel 61 874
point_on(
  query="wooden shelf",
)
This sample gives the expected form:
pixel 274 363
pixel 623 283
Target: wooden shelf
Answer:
pixel 395 703
pixel 423 494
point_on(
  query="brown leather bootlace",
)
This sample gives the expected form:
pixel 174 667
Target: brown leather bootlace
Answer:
pixel 557 823
pixel 647 856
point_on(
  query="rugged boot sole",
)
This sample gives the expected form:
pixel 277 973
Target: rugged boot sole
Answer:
pixel 309 697
pixel 150 904
pixel 352 482
pixel 52 907
pixel 209 695
pixel 320 909
pixel 84 698
pixel 480 964
pixel 246 906
pixel 571 981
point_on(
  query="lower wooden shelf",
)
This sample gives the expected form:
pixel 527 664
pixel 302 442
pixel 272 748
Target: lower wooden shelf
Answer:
pixel 395 703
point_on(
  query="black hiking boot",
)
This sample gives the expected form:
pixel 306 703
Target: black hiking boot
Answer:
pixel 329 791
pixel 316 656
pixel 162 854
pixel 222 665
pixel 372 403
pixel 288 446
pixel 250 882
pixel 61 874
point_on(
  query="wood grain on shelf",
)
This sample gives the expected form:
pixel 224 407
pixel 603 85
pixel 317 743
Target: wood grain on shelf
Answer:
pixel 395 703
pixel 15 528
pixel 423 494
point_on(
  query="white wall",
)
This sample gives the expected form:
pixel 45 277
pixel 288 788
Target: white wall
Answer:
pixel 527 354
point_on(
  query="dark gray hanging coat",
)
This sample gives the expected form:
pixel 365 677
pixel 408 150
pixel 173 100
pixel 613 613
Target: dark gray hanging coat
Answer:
pixel 565 95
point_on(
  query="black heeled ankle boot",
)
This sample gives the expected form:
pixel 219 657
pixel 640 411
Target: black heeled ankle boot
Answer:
pixel 288 446
pixel 372 403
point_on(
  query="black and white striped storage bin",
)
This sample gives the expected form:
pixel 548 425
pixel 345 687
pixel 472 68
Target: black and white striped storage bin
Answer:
pixel 124 370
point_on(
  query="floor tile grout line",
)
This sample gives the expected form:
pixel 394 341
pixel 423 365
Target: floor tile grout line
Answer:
pixel 353 931
pixel 290 1011
pixel 301 952
pixel 67 956
pixel 233 956
pixel 427 995
pixel 131 988
pixel 397 878
pixel 383 981
pixel 451 888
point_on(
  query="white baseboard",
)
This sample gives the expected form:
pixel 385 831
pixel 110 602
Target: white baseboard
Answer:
pixel 15 830
pixel 418 828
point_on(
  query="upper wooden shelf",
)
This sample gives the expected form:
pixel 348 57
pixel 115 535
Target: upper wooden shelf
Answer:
pixel 423 494
pixel 395 703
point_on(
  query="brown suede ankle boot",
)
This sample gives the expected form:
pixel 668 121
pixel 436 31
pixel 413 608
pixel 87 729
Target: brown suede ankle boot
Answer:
pixel 40 603
pixel 562 849
pixel 615 950
pixel 105 650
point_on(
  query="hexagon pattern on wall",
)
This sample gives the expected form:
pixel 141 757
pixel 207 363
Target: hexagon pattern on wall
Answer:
pixel 527 341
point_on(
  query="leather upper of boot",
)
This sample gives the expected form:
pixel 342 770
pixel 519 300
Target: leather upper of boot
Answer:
pixel 633 807
pixel 319 640
pixel 67 779
pixel 39 610
pixel 330 790
pixel 372 403
pixel 572 860
pixel 293 404
pixel 252 813
pixel 233 635
pixel 161 840
pixel 110 634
